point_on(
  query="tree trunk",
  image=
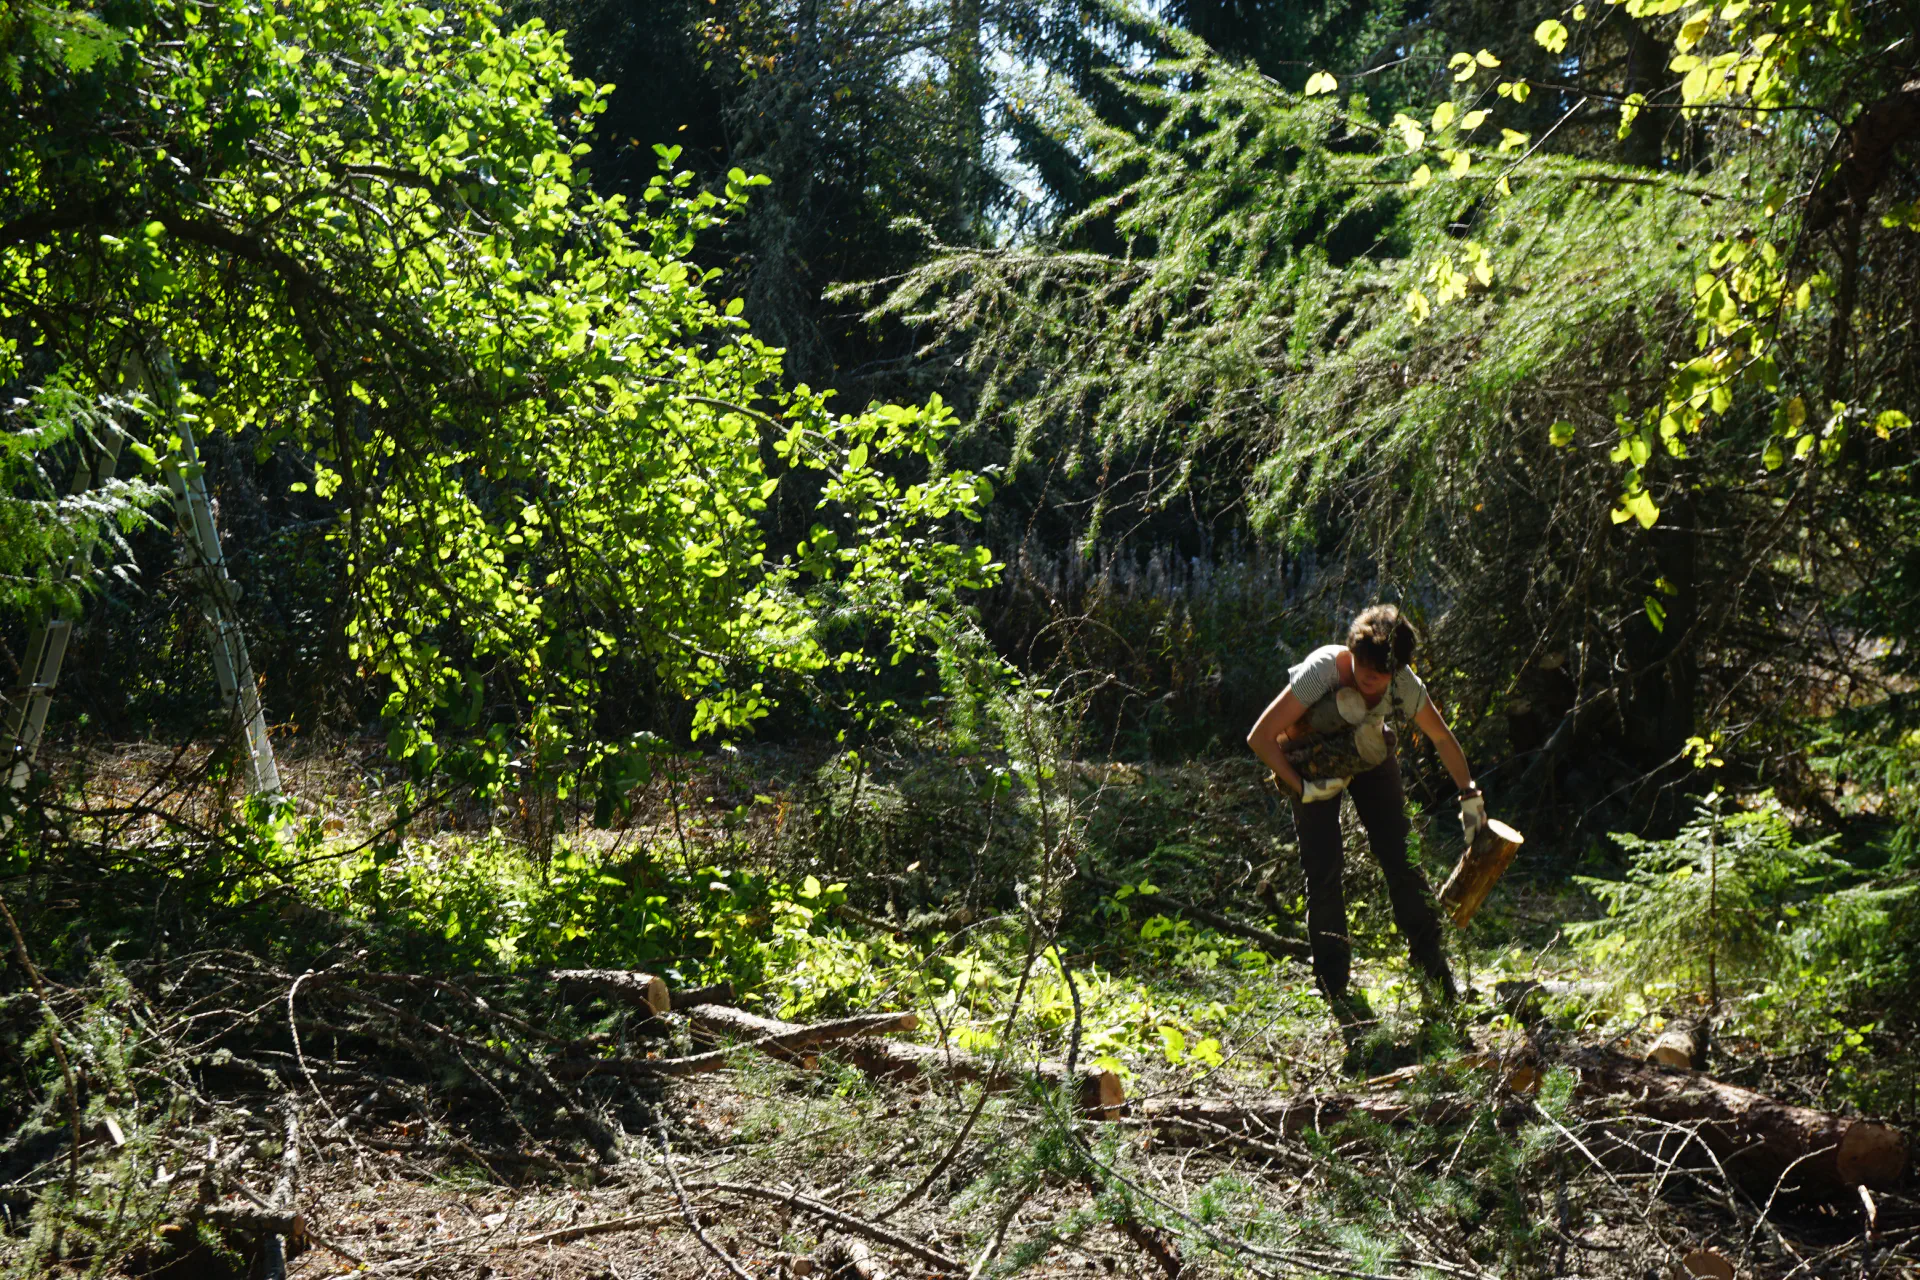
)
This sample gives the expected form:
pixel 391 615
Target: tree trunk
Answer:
pixel 1762 1143
pixel 1871 141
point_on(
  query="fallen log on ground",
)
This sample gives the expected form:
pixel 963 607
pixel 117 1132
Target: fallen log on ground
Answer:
pixel 784 1040
pixel 639 989
pixel 1762 1143
pixel 1271 1117
pixel 1682 1043
pixel 1766 1145
pixel 1269 941
pixel 692 997
pixel 1098 1093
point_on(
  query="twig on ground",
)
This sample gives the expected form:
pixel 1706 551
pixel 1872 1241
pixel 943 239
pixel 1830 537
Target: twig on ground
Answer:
pixel 1000 1231
pixel 686 1207
pixel 581 1231
pixel 941 1165
pixel 844 1221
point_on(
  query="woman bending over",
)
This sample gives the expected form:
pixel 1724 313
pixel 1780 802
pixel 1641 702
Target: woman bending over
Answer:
pixel 1332 730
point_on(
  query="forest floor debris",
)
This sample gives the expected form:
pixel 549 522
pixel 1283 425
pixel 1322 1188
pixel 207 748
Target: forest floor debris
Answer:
pixel 566 1116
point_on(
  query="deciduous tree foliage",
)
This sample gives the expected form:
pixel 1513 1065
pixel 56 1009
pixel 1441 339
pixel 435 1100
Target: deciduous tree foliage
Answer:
pixel 362 230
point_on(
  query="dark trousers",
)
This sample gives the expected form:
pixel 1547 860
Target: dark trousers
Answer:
pixel 1381 803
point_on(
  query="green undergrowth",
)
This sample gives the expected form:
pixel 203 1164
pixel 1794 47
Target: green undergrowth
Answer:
pixel 907 879
pixel 768 873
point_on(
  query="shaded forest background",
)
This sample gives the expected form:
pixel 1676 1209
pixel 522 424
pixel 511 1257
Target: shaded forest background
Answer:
pixel 1210 447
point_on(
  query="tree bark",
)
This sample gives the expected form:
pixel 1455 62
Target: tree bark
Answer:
pixel 1760 1142
pixel 1871 141
pixel 1479 867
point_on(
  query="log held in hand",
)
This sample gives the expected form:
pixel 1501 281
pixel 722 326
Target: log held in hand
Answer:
pixel 1482 864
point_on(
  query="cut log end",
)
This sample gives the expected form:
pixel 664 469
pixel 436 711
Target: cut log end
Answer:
pixel 1872 1154
pixel 643 990
pixel 1102 1096
pixel 654 993
pixel 1683 1044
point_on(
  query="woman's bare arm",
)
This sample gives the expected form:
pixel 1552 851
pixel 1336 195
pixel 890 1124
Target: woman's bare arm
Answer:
pixel 1267 731
pixel 1428 721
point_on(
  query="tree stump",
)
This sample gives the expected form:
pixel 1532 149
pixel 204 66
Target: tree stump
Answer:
pixel 1474 875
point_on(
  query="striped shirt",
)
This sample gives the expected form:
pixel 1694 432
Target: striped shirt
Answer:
pixel 1318 674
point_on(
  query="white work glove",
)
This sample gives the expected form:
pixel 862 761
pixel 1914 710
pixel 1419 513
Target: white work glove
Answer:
pixel 1473 815
pixel 1312 789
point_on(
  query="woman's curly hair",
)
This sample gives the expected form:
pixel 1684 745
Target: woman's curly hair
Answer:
pixel 1382 639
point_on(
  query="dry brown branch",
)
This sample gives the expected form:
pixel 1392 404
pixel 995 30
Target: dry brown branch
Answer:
pixel 845 1221
pixel 686 1207
pixel 580 1231
pixel 1098 1093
